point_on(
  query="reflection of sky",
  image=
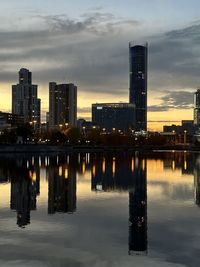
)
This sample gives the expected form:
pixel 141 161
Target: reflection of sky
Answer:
pixel 97 234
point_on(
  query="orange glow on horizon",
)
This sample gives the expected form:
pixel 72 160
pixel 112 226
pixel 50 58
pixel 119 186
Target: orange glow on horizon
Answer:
pixel 156 120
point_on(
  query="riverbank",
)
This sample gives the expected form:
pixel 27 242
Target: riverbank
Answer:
pixel 35 148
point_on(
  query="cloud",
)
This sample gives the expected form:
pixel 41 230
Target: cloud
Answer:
pixel 174 100
pixel 92 52
pixel 84 109
pixel 174 59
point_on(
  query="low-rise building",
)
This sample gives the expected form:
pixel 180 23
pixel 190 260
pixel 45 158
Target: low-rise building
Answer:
pixel 114 116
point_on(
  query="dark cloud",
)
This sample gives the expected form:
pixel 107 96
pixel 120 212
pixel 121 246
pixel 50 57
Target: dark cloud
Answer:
pixel 174 59
pixel 174 100
pixel 158 108
pixel 93 53
pixel 89 52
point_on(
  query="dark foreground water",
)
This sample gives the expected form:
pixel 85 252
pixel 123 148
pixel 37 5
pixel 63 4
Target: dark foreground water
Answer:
pixel 105 210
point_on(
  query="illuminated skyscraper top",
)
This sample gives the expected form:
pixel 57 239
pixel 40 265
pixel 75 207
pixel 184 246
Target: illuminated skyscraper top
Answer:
pixel 25 76
pixel 138 83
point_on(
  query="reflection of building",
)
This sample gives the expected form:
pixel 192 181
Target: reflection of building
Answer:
pixel 119 116
pixel 24 98
pixel 111 173
pixel 138 83
pixel 117 173
pixel 62 104
pixel 197 180
pixel 25 186
pixel 62 189
pixel 23 199
pixel 138 209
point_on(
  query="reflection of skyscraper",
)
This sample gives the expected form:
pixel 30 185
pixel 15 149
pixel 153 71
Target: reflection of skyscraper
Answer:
pixel 197 180
pixel 25 186
pixel 138 83
pixel 138 209
pixel 62 189
pixel 23 199
pixel 127 173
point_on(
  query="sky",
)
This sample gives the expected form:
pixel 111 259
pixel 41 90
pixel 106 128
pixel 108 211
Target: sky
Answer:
pixel 86 42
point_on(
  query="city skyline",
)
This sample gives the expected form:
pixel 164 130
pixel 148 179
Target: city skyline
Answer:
pixel 92 51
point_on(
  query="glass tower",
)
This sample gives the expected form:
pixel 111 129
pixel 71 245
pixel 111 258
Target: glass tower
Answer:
pixel 138 83
pixel 197 109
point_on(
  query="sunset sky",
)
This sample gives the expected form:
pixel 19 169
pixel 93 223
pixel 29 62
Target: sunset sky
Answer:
pixel 86 42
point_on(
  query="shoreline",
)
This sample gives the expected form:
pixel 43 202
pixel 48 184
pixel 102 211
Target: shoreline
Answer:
pixel 35 148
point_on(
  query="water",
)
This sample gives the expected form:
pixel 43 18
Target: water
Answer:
pixel 100 210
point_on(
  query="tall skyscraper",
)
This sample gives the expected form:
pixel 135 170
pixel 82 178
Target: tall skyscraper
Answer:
pixel 62 104
pixel 138 83
pixel 197 109
pixel 24 98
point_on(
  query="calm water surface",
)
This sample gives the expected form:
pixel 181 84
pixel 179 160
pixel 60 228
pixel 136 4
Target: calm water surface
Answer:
pixel 101 210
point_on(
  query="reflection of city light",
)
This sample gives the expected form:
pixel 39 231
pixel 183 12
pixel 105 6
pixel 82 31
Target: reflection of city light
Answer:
pixel 104 166
pixel 27 164
pixel 46 162
pixel 132 165
pixel 93 170
pixel 79 158
pixel 33 175
pixel 113 167
pixel 87 158
pixel 40 162
pixel 60 171
pixel 143 165
pixel 68 159
pixel 185 165
pixel 66 173
pixel 136 162
pixel 173 165
pixel 99 187
pixel 33 160
pixel 83 167
pixel 57 160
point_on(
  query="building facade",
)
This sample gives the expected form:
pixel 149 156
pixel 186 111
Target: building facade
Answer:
pixel 197 108
pixel 119 116
pixel 8 120
pixel 25 101
pixel 62 104
pixel 138 55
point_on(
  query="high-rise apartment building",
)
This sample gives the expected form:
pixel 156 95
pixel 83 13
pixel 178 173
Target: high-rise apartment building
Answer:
pixel 197 109
pixel 24 98
pixel 138 83
pixel 62 104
